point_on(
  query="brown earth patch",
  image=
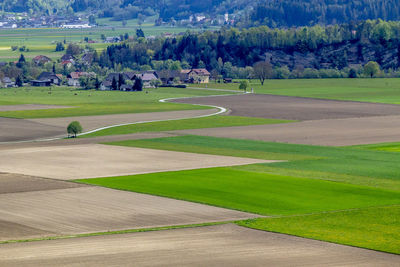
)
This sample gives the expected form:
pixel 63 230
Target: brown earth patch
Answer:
pixel 294 108
pixel 13 230
pixel 224 245
pixel 17 183
pixel 30 107
pixel 94 160
pixel 96 209
pixel 12 130
pixel 334 132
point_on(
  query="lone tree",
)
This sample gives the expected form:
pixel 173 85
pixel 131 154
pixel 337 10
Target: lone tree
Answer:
pixel 74 128
pixel 262 70
pixel 244 85
pixel 372 69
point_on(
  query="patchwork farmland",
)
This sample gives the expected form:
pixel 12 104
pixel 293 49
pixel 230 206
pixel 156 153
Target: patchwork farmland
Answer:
pixel 284 177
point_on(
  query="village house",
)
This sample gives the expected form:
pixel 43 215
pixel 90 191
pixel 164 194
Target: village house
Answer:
pixel 40 60
pixel 87 58
pixel 73 77
pixel 83 25
pixel 47 79
pixel 67 63
pixel 7 82
pixel 67 57
pixel 168 77
pixel 38 83
pixel 198 76
pixel 115 39
pixel 147 78
pixel 107 83
pixel 128 80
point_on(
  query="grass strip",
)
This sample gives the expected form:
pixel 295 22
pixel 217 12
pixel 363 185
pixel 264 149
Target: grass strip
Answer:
pixel 388 147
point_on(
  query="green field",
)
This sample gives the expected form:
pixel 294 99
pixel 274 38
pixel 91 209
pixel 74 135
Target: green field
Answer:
pixel 260 193
pixel 347 195
pixel 356 166
pixel 94 102
pixel 367 90
pixel 196 123
pixel 374 228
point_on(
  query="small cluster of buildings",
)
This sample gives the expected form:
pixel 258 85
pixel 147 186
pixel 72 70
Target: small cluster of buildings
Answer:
pixel 24 20
pixel 166 77
pixel 6 82
pixel 149 79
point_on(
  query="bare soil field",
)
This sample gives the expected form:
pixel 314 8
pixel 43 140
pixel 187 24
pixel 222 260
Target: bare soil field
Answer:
pixel 17 183
pixel 15 130
pixel 12 130
pixel 332 132
pixel 95 160
pixel 224 245
pixel 294 108
pixel 13 230
pixel 30 107
pixel 95 209
pixel 94 122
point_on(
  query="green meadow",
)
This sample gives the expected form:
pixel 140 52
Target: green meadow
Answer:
pixel 367 90
pixel 374 228
pixel 346 195
pixel 87 103
pixel 378 169
pixel 261 193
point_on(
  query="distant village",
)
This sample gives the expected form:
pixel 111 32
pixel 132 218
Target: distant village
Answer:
pixel 23 20
pixel 122 81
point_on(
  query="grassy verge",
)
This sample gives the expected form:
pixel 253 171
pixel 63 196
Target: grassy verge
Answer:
pixel 368 90
pixel 361 167
pixel 388 147
pixel 373 228
pixel 88 103
pixel 196 123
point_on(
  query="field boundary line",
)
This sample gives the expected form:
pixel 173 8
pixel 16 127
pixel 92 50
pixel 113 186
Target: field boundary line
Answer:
pixel 117 232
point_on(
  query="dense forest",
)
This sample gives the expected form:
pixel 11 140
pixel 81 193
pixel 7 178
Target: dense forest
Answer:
pixel 338 46
pixel 273 13
pixel 289 13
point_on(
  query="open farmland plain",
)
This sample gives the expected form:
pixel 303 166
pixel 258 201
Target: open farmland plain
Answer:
pixel 42 41
pixel 257 198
